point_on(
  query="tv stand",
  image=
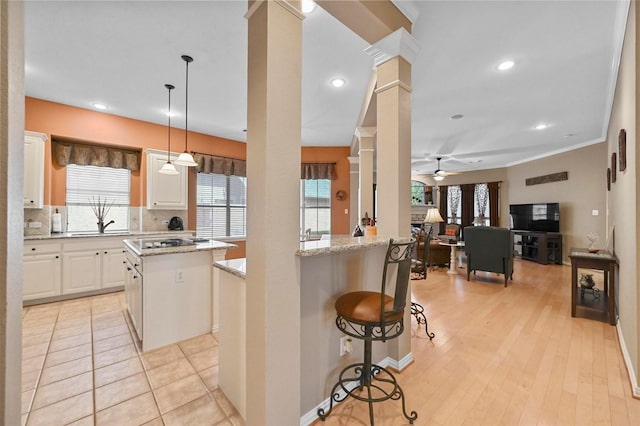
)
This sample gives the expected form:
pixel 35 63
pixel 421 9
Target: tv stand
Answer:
pixel 541 247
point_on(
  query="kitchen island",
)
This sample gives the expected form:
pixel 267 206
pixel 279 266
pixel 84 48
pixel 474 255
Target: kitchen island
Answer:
pixel 171 288
pixel 328 268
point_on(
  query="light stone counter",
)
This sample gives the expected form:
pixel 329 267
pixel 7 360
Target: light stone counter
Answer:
pixel 62 235
pixel 237 267
pixel 342 243
pixel 136 246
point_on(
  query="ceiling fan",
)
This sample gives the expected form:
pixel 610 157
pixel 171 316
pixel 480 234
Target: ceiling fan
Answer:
pixel 439 174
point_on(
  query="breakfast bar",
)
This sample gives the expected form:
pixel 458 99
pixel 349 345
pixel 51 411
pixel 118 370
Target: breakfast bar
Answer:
pixel 328 268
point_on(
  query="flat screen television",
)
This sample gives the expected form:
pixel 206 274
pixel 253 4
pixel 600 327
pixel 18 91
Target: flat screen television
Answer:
pixel 541 217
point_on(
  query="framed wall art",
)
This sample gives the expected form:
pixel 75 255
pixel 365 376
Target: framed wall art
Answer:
pixel 613 167
pixel 622 149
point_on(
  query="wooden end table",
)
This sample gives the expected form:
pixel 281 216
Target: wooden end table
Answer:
pixel 603 261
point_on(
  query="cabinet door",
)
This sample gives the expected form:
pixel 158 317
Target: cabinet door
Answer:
pixel 113 268
pixel 81 271
pixel 41 276
pixel 165 191
pixel 33 170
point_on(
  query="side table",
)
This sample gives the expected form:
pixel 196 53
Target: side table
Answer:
pixel 453 268
pixel 603 261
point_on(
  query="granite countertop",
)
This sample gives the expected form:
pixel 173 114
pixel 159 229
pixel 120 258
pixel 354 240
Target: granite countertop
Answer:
pixel 342 243
pixel 62 235
pixel 237 267
pixel 134 246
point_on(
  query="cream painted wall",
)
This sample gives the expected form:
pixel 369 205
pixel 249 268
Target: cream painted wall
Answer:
pixel 623 198
pixel 584 191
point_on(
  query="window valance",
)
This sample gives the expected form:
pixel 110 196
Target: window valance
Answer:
pixel 86 154
pixel 318 171
pixel 220 165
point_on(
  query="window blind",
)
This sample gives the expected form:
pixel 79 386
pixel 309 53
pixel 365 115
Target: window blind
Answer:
pixel 221 205
pixel 88 184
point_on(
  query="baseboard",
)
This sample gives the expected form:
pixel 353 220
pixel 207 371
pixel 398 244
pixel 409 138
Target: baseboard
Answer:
pixel 627 360
pixel 312 415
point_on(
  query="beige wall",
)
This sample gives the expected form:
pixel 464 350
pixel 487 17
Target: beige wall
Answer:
pixel 623 198
pixel 583 192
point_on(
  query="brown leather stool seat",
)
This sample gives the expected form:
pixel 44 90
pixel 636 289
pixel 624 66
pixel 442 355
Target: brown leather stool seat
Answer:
pixel 369 316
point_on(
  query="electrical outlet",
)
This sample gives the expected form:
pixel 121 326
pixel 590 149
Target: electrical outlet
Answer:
pixel 345 345
pixel 179 276
pixel 34 224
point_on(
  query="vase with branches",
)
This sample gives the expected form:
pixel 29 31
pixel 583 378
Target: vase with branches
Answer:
pixel 101 208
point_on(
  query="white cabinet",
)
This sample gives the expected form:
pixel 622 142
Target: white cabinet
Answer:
pixel 133 292
pixel 81 271
pixel 167 192
pixel 33 169
pixel 113 268
pixel 41 271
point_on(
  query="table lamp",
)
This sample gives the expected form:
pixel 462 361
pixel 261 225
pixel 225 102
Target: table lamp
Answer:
pixel 433 216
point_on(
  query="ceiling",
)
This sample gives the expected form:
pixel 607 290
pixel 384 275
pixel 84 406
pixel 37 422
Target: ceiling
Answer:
pixel 565 53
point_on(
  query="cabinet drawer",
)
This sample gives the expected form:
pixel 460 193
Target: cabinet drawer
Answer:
pixel 41 248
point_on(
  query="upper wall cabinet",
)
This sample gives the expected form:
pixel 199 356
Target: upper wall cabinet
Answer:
pixel 33 169
pixel 167 192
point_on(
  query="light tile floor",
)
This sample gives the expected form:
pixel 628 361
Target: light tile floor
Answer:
pixel 81 366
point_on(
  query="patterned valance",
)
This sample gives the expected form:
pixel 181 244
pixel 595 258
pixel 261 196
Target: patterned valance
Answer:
pixel 85 154
pixel 220 165
pixel 318 171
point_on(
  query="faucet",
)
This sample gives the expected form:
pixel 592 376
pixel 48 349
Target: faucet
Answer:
pixel 102 226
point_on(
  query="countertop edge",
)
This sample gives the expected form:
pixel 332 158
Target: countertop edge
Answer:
pixel 231 267
pixel 343 244
pixel 206 246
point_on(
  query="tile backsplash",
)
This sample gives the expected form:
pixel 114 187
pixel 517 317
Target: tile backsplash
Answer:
pixel 141 219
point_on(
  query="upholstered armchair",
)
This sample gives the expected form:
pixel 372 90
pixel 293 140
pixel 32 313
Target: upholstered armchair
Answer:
pixel 489 249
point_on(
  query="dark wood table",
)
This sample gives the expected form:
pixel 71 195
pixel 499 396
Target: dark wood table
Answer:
pixel 603 261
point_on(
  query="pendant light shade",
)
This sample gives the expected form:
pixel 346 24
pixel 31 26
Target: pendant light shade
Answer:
pixel 186 159
pixel 168 168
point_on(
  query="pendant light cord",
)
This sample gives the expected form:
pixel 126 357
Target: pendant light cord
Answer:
pixel 187 59
pixel 169 87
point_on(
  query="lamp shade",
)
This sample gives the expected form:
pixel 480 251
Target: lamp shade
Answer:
pixel 185 159
pixel 168 169
pixel 433 216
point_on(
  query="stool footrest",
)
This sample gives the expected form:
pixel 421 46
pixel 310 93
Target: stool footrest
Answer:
pixel 374 384
pixel 417 310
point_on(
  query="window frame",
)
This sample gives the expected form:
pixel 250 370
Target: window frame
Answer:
pixel 228 207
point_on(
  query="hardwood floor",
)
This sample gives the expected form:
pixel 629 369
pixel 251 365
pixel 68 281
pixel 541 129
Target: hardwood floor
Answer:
pixel 510 356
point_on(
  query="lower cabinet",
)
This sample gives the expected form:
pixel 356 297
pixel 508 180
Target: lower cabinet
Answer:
pixel 41 276
pixel 113 271
pixel 81 271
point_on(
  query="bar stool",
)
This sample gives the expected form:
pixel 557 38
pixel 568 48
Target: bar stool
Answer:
pixel 370 315
pixel 420 267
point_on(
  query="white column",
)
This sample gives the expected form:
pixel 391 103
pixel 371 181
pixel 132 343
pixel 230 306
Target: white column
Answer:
pixel 393 56
pixel 366 139
pixel 354 191
pixel 11 209
pixel 273 179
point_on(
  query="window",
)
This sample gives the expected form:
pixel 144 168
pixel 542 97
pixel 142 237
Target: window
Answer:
pixel 453 204
pixel 221 205
pixel 417 192
pixel 315 209
pixel 86 185
pixel 481 204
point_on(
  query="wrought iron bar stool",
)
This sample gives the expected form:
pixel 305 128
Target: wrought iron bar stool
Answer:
pixel 420 267
pixel 370 315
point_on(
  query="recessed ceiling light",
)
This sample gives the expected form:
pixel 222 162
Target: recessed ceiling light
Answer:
pixel 506 65
pixel 456 117
pixel 541 126
pixel 338 82
pixel 308 6
pixel 100 106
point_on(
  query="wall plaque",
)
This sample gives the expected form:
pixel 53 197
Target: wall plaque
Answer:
pixel 554 177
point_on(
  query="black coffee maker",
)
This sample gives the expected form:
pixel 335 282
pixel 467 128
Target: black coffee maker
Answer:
pixel 175 224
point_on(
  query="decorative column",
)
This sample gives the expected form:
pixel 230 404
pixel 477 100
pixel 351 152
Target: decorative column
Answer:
pixel 393 56
pixel 354 191
pixel 11 208
pixel 366 137
pixel 273 222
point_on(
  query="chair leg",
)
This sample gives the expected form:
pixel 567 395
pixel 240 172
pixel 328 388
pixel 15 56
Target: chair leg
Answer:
pixel 363 374
pixel 417 310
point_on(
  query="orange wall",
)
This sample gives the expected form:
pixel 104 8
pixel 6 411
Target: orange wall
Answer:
pixel 60 120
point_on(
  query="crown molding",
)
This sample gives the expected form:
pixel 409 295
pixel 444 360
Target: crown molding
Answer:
pixel 366 132
pixel 284 3
pixel 398 43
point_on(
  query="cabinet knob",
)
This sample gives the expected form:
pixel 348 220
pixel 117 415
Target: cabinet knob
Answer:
pixel 135 277
pixel 97 253
pixel 105 252
pixel 31 201
pixel 155 204
pixel 57 257
pixel 33 249
pixel 124 261
pixel 128 268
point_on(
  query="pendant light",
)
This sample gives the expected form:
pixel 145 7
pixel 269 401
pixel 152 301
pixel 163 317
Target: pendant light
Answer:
pixel 168 168
pixel 185 159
